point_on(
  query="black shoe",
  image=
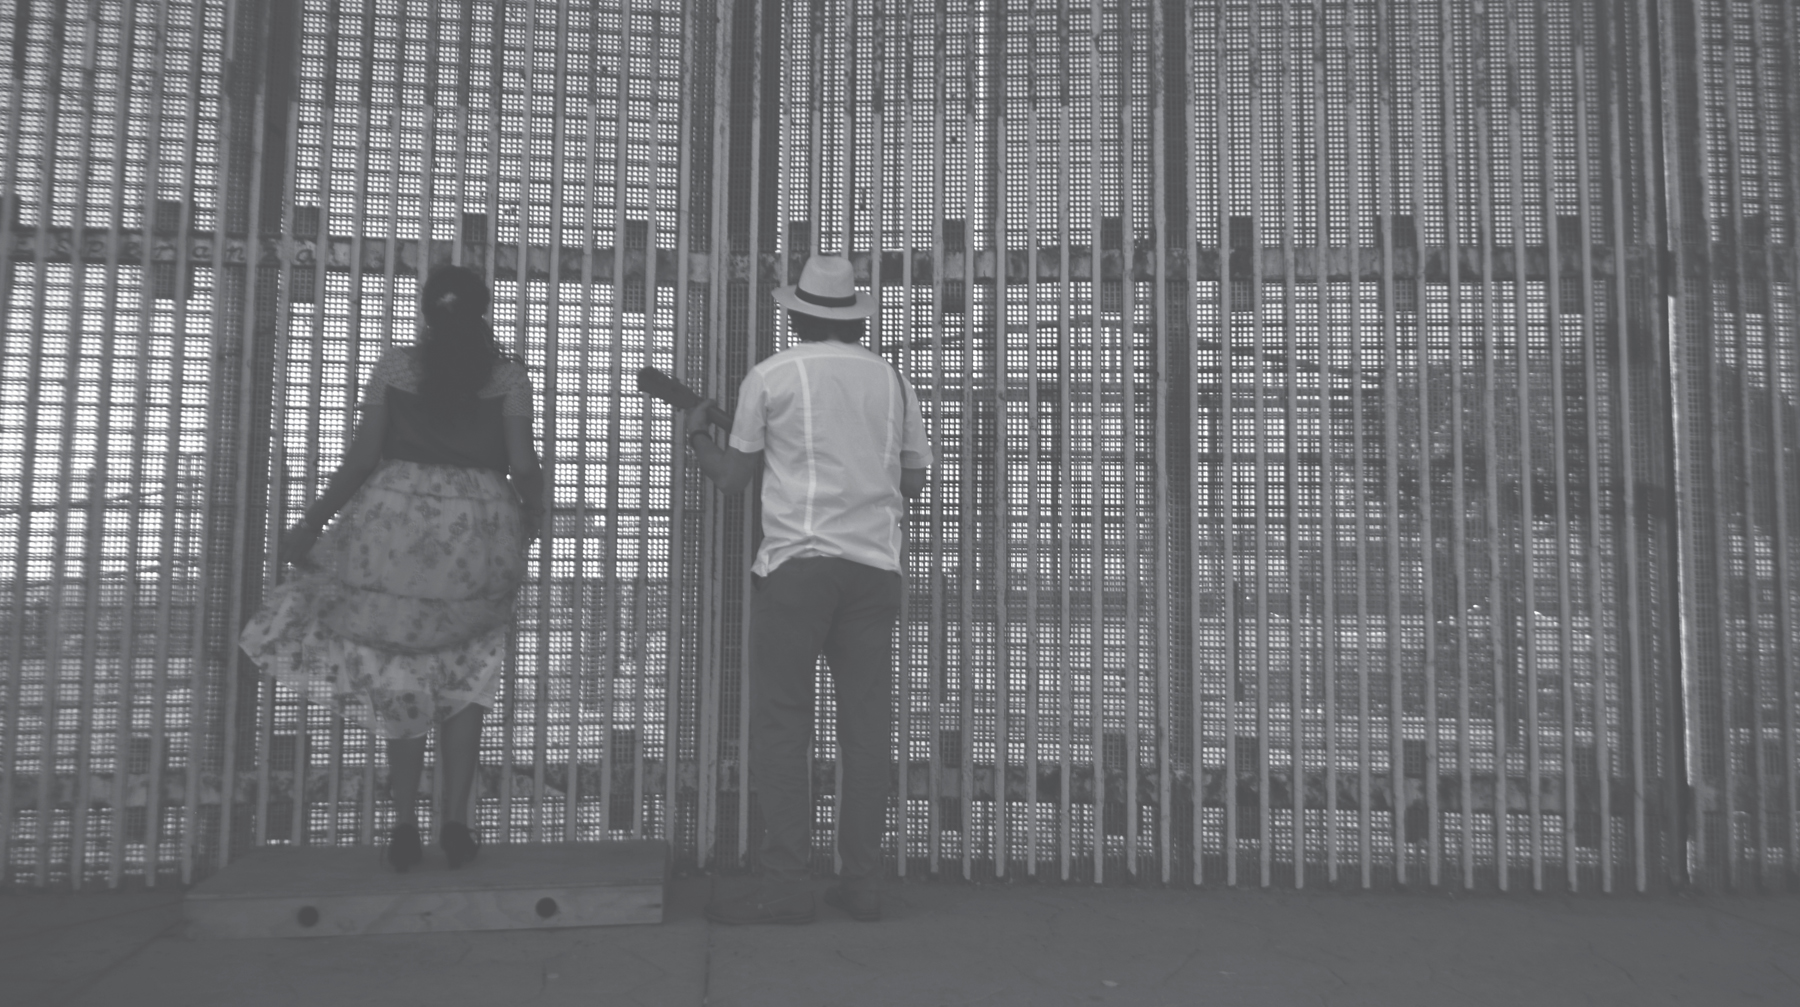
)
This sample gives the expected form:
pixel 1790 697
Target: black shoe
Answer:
pixel 861 906
pixel 404 848
pixel 764 904
pixel 459 842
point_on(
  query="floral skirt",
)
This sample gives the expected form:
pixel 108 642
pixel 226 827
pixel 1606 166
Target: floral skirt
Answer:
pixel 403 613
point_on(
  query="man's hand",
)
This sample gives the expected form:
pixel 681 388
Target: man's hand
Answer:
pixel 696 420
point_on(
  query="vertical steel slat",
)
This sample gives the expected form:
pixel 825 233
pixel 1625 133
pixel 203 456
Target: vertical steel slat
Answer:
pixel 1737 305
pixel 1034 577
pixel 1620 318
pixel 1327 463
pixel 353 356
pixel 1701 503
pixel 94 506
pixel 1772 377
pixel 846 223
pixel 939 646
pixel 495 85
pixel 755 313
pixel 547 562
pixel 710 673
pixel 1522 375
pixel 1727 789
pixel 1458 505
pixel 1481 87
pixel 1353 209
pixel 93 571
pixel 578 632
pixel 1393 637
pixel 1260 446
pixel 968 644
pixel 183 271
pixel 1554 335
pixel 1002 631
pixel 1170 228
pixel 365 127
pixel 1188 234
pixel 1227 459
pixel 1427 523
pixel 786 209
pixel 877 342
pixel 642 805
pixel 1066 459
pixel 610 552
pixel 133 495
pixel 314 479
pixel 522 298
pixel 278 472
pixel 177 403
pixel 677 557
pixel 1296 684
pixel 1096 565
pixel 1591 395
pixel 245 572
pixel 1652 117
pixel 1790 87
pixel 396 304
pixel 1128 437
pixel 903 815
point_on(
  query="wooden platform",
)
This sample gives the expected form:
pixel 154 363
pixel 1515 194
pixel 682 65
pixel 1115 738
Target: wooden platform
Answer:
pixel 335 891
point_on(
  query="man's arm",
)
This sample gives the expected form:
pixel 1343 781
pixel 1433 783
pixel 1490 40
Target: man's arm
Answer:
pixel 728 468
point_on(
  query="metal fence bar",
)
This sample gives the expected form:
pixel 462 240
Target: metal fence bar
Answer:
pixel 1033 425
pixel 1296 707
pixel 1096 559
pixel 1591 558
pixel 1365 790
pixel 1227 463
pixel 92 507
pixel 1429 534
pixel 1157 64
pixel 1789 88
pixel 1459 605
pixel 116 292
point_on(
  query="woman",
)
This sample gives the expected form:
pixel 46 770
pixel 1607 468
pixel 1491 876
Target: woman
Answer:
pixel 399 615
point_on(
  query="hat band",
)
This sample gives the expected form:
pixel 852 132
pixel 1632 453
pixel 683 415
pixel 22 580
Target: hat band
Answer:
pixel 823 301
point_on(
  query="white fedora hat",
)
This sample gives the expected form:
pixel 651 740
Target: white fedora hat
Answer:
pixel 827 289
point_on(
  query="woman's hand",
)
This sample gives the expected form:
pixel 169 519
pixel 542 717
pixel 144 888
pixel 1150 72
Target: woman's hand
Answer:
pixel 296 543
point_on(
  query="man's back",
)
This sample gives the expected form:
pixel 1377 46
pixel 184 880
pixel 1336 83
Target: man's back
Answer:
pixel 836 425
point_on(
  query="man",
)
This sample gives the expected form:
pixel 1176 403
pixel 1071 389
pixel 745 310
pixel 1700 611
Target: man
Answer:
pixel 838 437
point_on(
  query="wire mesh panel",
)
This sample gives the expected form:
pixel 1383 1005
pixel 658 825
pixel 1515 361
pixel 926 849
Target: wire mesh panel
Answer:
pixel 1288 364
pixel 551 147
pixel 129 311
pixel 1732 218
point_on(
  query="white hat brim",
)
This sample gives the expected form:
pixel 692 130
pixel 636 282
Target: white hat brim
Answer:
pixel 789 299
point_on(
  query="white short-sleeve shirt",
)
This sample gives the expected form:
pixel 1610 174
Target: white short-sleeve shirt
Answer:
pixel 836 425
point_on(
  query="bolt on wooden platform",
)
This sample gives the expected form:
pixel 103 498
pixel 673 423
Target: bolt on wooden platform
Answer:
pixel 314 891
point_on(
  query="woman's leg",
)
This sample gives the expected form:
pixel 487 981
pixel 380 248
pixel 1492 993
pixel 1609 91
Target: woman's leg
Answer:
pixel 406 760
pixel 459 739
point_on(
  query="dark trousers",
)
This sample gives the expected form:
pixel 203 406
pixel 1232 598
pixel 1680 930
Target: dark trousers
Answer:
pixel 845 610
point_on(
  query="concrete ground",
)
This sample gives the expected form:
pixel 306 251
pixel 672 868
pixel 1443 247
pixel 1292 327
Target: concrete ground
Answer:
pixel 946 943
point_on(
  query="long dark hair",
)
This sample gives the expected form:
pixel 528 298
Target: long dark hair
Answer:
pixel 459 354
